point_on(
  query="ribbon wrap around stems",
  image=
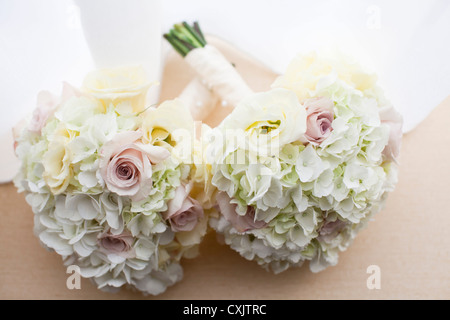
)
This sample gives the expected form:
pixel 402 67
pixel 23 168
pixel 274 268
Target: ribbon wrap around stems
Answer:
pixel 199 99
pixel 218 75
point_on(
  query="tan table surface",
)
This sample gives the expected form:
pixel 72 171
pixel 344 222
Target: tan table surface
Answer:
pixel 409 240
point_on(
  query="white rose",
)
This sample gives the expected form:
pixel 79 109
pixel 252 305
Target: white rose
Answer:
pixel 57 161
pixel 268 120
pixel 160 123
pixel 124 87
pixel 305 71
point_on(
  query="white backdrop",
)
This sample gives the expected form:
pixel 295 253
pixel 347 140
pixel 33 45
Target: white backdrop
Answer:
pixel 405 41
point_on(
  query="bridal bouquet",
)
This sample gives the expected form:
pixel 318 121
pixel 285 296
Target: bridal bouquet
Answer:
pixel 110 188
pixel 301 168
pixel 124 190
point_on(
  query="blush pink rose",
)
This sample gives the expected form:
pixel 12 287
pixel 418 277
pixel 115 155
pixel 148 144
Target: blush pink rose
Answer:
pixel 121 244
pixel 331 230
pixel 320 116
pixel 391 117
pixel 47 104
pixel 183 212
pixel 240 223
pixel 126 165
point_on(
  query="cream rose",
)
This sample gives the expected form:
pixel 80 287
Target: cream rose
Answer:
pixel 305 71
pixel 126 165
pixel 202 175
pixel 124 87
pixel 170 126
pixel 267 120
pixel 57 160
pixel 160 123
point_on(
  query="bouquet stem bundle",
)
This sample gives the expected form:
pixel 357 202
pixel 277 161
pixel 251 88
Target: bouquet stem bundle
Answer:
pixel 218 76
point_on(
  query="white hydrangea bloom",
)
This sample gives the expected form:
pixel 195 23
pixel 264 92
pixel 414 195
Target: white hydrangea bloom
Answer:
pixel 309 165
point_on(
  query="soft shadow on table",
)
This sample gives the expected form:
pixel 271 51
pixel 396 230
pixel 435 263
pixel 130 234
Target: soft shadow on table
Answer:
pixel 408 240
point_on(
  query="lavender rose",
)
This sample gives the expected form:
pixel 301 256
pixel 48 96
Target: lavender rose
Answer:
pixel 240 223
pixel 320 116
pixel 183 211
pixel 121 244
pixel 126 165
pixel 331 230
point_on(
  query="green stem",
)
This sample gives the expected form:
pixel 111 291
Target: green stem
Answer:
pixel 176 44
pixel 185 35
pixel 194 33
pixel 199 31
pixel 185 38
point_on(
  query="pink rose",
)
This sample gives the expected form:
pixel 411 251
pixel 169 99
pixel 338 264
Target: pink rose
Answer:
pixel 331 230
pixel 126 165
pixel 320 116
pixel 240 223
pixel 121 244
pixel 46 106
pixel 391 117
pixel 183 211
